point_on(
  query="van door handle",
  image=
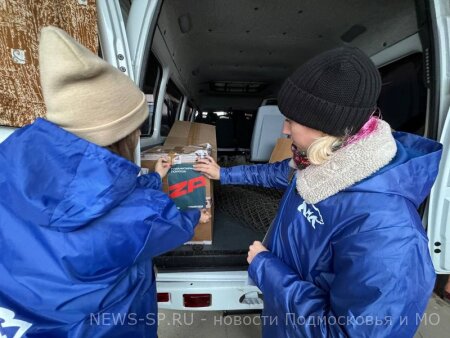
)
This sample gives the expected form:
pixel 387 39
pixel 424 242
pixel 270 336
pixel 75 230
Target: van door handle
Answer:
pixel 252 298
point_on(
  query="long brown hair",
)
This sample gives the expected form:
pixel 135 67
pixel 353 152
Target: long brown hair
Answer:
pixel 125 147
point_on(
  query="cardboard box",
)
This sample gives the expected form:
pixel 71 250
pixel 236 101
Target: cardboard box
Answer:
pixel 187 187
pixel 282 150
pixel 184 133
pixel 185 142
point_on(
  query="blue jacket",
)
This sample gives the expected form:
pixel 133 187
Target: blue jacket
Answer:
pixel 354 264
pixel 78 230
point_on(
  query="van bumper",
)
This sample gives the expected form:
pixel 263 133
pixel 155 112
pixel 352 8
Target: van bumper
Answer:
pixel 229 290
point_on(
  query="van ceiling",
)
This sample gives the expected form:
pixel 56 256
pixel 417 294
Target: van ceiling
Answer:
pixel 215 43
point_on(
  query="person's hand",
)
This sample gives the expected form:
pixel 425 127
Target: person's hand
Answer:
pixel 255 249
pixel 208 167
pixel 205 216
pixel 162 166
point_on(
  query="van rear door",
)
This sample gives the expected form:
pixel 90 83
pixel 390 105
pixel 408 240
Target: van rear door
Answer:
pixel 125 44
pixel 438 220
pixel 439 210
pixel 125 34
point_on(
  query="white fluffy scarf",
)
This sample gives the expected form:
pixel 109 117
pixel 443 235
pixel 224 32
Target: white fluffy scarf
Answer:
pixel 347 165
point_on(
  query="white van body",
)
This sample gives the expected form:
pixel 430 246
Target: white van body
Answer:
pixel 127 45
pixel 438 211
pixel 232 290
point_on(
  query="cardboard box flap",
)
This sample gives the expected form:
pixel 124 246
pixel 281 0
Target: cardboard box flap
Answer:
pixel 179 154
pixel 282 150
pixel 188 133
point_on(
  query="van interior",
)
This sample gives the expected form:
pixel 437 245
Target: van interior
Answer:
pixel 228 60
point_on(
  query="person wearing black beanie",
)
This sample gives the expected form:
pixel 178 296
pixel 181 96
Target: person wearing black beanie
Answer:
pixel 346 255
pixel 335 92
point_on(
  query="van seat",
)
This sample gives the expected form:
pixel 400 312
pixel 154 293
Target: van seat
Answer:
pixel 268 128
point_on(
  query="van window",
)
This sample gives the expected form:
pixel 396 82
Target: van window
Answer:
pixel 151 85
pixel 172 103
pixel 189 110
pixel 125 9
pixel 403 98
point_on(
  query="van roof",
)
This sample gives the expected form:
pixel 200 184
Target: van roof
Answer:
pixel 245 49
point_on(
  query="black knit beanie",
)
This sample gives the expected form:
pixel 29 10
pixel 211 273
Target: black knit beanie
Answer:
pixel 335 92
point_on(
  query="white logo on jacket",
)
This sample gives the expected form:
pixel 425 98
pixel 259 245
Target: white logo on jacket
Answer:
pixel 312 214
pixel 7 320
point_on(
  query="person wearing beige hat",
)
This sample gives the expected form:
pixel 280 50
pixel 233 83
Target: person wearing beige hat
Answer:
pixel 78 226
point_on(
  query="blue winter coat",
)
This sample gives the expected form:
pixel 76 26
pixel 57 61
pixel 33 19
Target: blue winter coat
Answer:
pixel 354 264
pixel 78 230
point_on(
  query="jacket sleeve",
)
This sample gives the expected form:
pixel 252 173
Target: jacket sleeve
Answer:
pixel 151 180
pixel 144 225
pixel 167 227
pixel 376 292
pixel 271 175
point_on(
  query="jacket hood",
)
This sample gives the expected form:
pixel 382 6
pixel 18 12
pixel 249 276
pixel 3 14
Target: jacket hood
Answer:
pixel 412 171
pixel 394 163
pixel 58 180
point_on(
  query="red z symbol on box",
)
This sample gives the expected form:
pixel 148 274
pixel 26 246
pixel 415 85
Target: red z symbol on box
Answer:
pixel 186 187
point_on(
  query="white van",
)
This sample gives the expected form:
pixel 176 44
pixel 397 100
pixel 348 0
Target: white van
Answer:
pixel 217 62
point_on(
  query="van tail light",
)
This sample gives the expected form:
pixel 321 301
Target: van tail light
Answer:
pixel 197 300
pixel 163 297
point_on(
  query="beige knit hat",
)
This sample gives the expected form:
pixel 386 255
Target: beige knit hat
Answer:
pixel 84 94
